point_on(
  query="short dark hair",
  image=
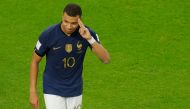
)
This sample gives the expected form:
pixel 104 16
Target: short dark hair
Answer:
pixel 73 10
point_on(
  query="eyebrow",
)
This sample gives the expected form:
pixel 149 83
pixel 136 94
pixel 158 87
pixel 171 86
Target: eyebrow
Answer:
pixel 68 21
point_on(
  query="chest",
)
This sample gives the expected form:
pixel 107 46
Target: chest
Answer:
pixel 68 46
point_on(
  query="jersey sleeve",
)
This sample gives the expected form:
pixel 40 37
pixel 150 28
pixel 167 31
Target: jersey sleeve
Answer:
pixel 95 36
pixel 42 45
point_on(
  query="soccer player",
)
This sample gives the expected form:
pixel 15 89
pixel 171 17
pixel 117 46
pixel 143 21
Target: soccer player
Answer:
pixel 64 45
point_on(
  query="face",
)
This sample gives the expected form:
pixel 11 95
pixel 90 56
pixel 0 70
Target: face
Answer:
pixel 69 23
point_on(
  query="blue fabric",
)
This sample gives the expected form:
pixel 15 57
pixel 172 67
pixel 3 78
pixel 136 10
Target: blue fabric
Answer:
pixel 64 60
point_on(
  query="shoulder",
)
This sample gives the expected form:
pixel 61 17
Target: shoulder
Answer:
pixel 49 30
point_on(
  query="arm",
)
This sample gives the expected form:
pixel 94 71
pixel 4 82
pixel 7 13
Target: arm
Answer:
pixel 100 52
pixel 33 80
pixel 97 48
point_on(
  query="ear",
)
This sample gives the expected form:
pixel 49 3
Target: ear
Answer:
pixel 63 14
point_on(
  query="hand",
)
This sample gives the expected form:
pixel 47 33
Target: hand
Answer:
pixel 84 32
pixel 34 101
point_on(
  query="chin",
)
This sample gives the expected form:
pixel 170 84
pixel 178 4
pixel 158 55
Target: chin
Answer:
pixel 70 31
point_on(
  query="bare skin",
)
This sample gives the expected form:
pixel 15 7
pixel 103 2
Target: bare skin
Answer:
pixel 34 100
pixel 97 48
pixel 68 26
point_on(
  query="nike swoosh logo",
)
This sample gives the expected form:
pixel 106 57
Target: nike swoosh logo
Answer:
pixel 56 48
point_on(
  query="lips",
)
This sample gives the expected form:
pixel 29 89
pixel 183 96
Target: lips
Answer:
pixel 69 30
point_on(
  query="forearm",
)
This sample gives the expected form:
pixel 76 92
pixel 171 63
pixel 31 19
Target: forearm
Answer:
pixel 97 48
pixel 33 76
pixel 101 52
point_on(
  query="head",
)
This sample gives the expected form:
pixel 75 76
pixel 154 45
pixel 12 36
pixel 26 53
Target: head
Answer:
pixel 71 14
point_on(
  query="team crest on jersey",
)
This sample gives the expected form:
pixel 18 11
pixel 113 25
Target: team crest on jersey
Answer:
pixel 68 48
pixel 79 45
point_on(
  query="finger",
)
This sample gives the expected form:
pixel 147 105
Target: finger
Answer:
pixel 33 104
pixel 81 31
pixel 81 23
pixel 36 105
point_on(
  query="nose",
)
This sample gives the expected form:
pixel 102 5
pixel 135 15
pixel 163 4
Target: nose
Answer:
pixel 69 26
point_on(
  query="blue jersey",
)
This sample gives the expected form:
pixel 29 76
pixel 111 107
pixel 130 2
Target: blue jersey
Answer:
pixel 64 60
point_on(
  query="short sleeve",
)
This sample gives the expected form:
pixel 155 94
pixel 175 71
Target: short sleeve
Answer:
pixel 41 45
pixel 95 36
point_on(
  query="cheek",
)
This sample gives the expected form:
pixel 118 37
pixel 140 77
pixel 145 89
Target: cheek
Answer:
pixel 74 26
pixel 64 24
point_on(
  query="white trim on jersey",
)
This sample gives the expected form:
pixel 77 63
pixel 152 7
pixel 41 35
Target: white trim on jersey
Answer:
pixel 38 45
pixel 97 37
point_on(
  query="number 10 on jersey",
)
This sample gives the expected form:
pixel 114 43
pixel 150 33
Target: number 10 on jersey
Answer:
pixel 69 62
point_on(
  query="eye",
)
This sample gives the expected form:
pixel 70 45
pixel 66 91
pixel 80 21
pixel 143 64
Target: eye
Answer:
pixel 74 23
pixel 65 21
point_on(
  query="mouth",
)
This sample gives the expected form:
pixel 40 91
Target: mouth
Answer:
pixel 69 30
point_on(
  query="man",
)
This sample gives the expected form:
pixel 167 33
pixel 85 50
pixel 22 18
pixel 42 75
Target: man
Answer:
pixel 64 45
